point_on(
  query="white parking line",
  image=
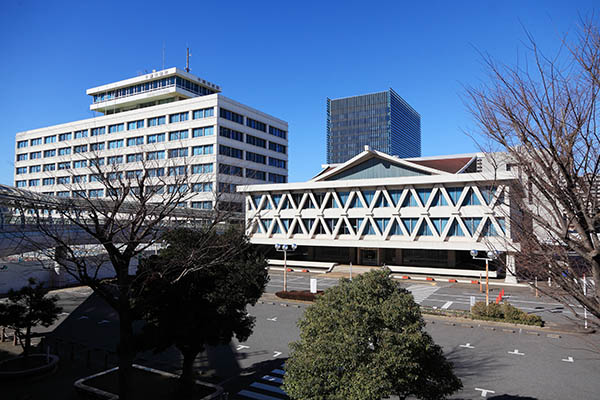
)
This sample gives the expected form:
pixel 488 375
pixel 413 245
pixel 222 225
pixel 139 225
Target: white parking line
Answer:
pixel 484 392
pixel 516 352
pixel 446 305
pixel 568 359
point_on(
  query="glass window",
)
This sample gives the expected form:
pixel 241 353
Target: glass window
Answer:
pixel 50 139
pixel 34 182
pixel 157 121
pixel 96 193
pixel 275 162
pixel 134 157
pixel 116 128
pixel 153 172
pixel 35 168
pixel 79 179
pixel 252 123
pixel 49 153
pixel 205 205
pixel 21 144
pixel 202 168
pixel 231 134
pixel 175 153
pixel 79 163
pixel 64 136
pixel 256 141
pixel 35 154
pixel 114 160
pixel 135 141
pixel 35 142
pixel 49 167
pixel 22 157
pixel 63 151
pixel 178 135
pixel 176 171
pixel 276 178
pixel 159 137
pixel 97 146
pixel 64 165
pixel 21 184
pixel 255 157
pixel 231 116
pixel 179 117
pixel 202 150
pixel 277 132
pixel 80 149
pixel 115 144
pixel 135 124
pixel 155 155
pixel 21 170
pixel 277 147
pixel 96 131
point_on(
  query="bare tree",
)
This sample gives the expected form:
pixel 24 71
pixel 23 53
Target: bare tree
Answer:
pixel 108 223
pixel 541 120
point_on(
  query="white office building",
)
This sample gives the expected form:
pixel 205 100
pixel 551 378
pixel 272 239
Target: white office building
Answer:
pixel 414 215
pixel 165 124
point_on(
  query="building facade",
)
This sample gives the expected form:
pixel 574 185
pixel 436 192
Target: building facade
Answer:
pixel 383 121
pixel 375 209
pixel 161 125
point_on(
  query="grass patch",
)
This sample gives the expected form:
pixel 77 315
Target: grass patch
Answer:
pixel 504 312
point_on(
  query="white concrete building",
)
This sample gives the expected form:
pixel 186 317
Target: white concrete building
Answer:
pixel 166 123
pixel 419 214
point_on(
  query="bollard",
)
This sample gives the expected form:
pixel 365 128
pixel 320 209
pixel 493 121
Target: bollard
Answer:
pixel 537 294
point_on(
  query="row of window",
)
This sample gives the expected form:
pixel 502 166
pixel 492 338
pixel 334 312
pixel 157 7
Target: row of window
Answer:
pixel 410 225
pixel 251 156
pixel 131 174
pixel 153 85
pixel 470 199
pixel 252 123
pixel 253 140
pixel 131 125
pixel 115 144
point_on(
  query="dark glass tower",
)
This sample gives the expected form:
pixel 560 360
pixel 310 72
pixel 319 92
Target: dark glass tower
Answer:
pixel 383 120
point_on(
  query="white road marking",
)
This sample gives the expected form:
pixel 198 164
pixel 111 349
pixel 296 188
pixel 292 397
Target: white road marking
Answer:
pixel 272 319
pixel 83 317
pixel 568 359
pixel 104 321
pixel 276 354
pixel 272 379
pixel 422 292
pixel 278 371
pixel 254 395
pixel 484 392
pixel 446 305
pixel 467 346
pixel 63 313
pixel 516 352
pixel 270 388
pixel 241 346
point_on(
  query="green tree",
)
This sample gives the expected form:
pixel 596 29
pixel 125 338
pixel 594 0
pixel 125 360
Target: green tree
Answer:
pixel 364 339
pixel 27 308
pixel 203 307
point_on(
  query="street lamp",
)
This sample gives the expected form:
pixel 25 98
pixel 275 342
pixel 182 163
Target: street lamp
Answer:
pixel 491 255
pixel 285 248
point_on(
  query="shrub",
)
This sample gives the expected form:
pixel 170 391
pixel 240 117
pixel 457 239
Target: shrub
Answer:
pixel 504 312
pixel 304 295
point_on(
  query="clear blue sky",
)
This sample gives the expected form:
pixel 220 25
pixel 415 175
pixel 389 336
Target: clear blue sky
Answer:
pixel 283 58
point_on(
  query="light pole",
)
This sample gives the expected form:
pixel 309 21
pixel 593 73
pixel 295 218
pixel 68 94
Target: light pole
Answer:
pixel 491 255
pixel 285 248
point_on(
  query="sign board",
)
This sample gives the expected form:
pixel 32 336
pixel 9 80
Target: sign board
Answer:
pixel 472 301
pixel 313 285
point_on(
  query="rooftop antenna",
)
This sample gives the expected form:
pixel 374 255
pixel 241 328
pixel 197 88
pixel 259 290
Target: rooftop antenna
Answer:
pixel 187 61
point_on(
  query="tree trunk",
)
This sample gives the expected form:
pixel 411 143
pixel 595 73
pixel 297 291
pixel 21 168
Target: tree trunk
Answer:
pixel 27 341
pixel 187 378
pixel 125 350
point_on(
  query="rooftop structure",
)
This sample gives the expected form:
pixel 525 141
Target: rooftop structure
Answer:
pixel 157 87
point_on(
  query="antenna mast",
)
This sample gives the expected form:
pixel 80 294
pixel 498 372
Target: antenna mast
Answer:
pixel 187 61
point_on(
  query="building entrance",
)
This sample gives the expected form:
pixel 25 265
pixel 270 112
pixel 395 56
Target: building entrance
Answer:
pixel 369 256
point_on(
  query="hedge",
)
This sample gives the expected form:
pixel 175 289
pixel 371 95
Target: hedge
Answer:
pixel 504 312
pixel 304 295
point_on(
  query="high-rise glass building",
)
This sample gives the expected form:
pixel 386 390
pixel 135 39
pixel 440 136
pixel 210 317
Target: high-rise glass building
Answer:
pixel 383 121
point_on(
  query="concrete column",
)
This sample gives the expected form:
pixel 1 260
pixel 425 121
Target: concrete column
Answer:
pixel 451 258
pixel 511 269
pixel 399 260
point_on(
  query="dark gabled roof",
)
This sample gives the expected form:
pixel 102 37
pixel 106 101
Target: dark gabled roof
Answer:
pixel 451 165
